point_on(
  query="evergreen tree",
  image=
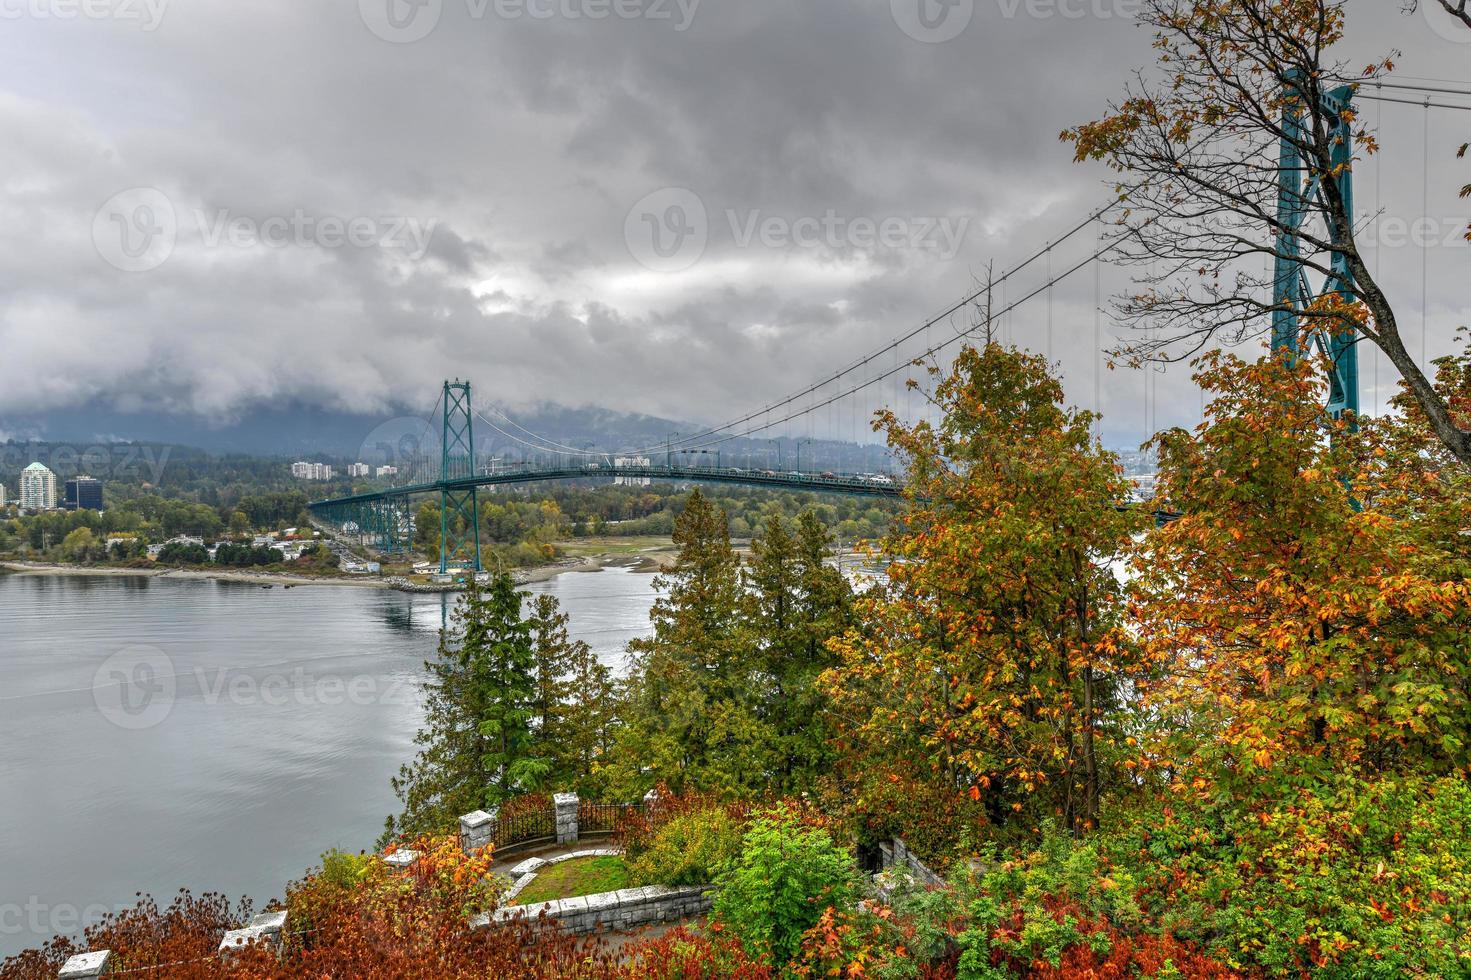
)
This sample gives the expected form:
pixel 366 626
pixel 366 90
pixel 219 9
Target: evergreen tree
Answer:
pixel 797 603
pixel 574 706
pixel 589 720
pixel 826 607
pixel 512 758
pixel 553 655
pixel 477 746
pixel 691 710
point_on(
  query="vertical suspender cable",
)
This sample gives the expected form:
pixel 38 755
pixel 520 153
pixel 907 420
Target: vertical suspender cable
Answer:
pixel 1098 338
pixel 1378 235
pixel 1425 244
pixel 1049 302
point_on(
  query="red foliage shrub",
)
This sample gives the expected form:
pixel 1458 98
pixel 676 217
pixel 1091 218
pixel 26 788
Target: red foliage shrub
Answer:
pixel 367 921
pixel 188 930
pixel 684 955
pixel 1127 957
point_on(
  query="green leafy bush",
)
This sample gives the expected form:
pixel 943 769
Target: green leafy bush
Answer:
pixel 691 849
pixel 1354 878
pixel 1351 878
pixel 345 870
pixel 787 875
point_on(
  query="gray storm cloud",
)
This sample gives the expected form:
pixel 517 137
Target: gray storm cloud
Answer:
pixel 341 212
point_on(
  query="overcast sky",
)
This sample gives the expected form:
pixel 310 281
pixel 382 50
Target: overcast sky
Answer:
pixel 212 203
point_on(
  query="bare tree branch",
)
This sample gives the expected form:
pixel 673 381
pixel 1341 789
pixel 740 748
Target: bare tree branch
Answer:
pixel 1456 8
pixel 1198 149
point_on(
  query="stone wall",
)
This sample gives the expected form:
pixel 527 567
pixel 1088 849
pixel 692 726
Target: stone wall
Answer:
pixel 897 853
pixel 617 911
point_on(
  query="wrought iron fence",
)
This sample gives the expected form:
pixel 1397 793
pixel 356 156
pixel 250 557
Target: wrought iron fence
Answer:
pixel 531 822
pixel 526 828
pixel 604 818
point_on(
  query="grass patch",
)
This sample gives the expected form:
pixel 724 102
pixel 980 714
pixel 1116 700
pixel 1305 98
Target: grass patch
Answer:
pixel 580 876
pixel 613 545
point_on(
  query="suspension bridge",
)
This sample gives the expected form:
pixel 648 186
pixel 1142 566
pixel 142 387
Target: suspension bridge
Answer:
pixel 382 517
pixel 455 473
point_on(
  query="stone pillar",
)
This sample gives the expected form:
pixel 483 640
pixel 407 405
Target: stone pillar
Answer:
pixel 477 829
pixel 85 966
pixel 264 928
pixel 566 804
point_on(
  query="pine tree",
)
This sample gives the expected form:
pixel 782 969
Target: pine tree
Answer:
pixel 553 657
pixel 512 759
pixel 797 603
pixel 826 606
pixel 477 746
pixel 589 720
pixel 575 702
pixel 691 710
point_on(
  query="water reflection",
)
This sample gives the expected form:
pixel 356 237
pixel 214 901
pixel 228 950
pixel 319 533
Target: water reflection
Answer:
pixel 290 710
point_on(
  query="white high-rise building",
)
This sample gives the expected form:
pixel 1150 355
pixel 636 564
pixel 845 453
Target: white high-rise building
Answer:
pixel 37 488
pixel 359 469
pixel 2 495
pixel 387 471
pixel 311 471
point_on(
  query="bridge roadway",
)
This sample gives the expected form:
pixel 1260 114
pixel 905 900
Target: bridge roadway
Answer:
pixel 853 485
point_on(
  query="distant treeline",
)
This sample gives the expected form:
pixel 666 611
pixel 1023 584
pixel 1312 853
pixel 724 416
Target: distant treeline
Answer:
pixel 155 493
pixel 519 526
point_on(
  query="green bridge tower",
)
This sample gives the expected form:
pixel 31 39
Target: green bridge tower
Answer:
pixel 459 507
pixel 1298 183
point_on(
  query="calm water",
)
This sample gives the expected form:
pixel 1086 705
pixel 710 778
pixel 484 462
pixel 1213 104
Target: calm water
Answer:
pixel 215 736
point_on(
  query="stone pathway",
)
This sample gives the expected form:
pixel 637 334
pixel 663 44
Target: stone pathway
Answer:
pixel 617 942
pixel 503 865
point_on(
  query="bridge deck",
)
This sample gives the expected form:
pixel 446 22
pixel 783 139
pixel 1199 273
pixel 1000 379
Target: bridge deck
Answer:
pixel 855 485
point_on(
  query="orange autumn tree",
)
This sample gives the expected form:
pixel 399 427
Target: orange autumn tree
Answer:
pixel 1293 621
pixel 988 664
pixel 1426 489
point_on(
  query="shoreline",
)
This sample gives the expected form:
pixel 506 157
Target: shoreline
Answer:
pixel 247 578
pixel 521 576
